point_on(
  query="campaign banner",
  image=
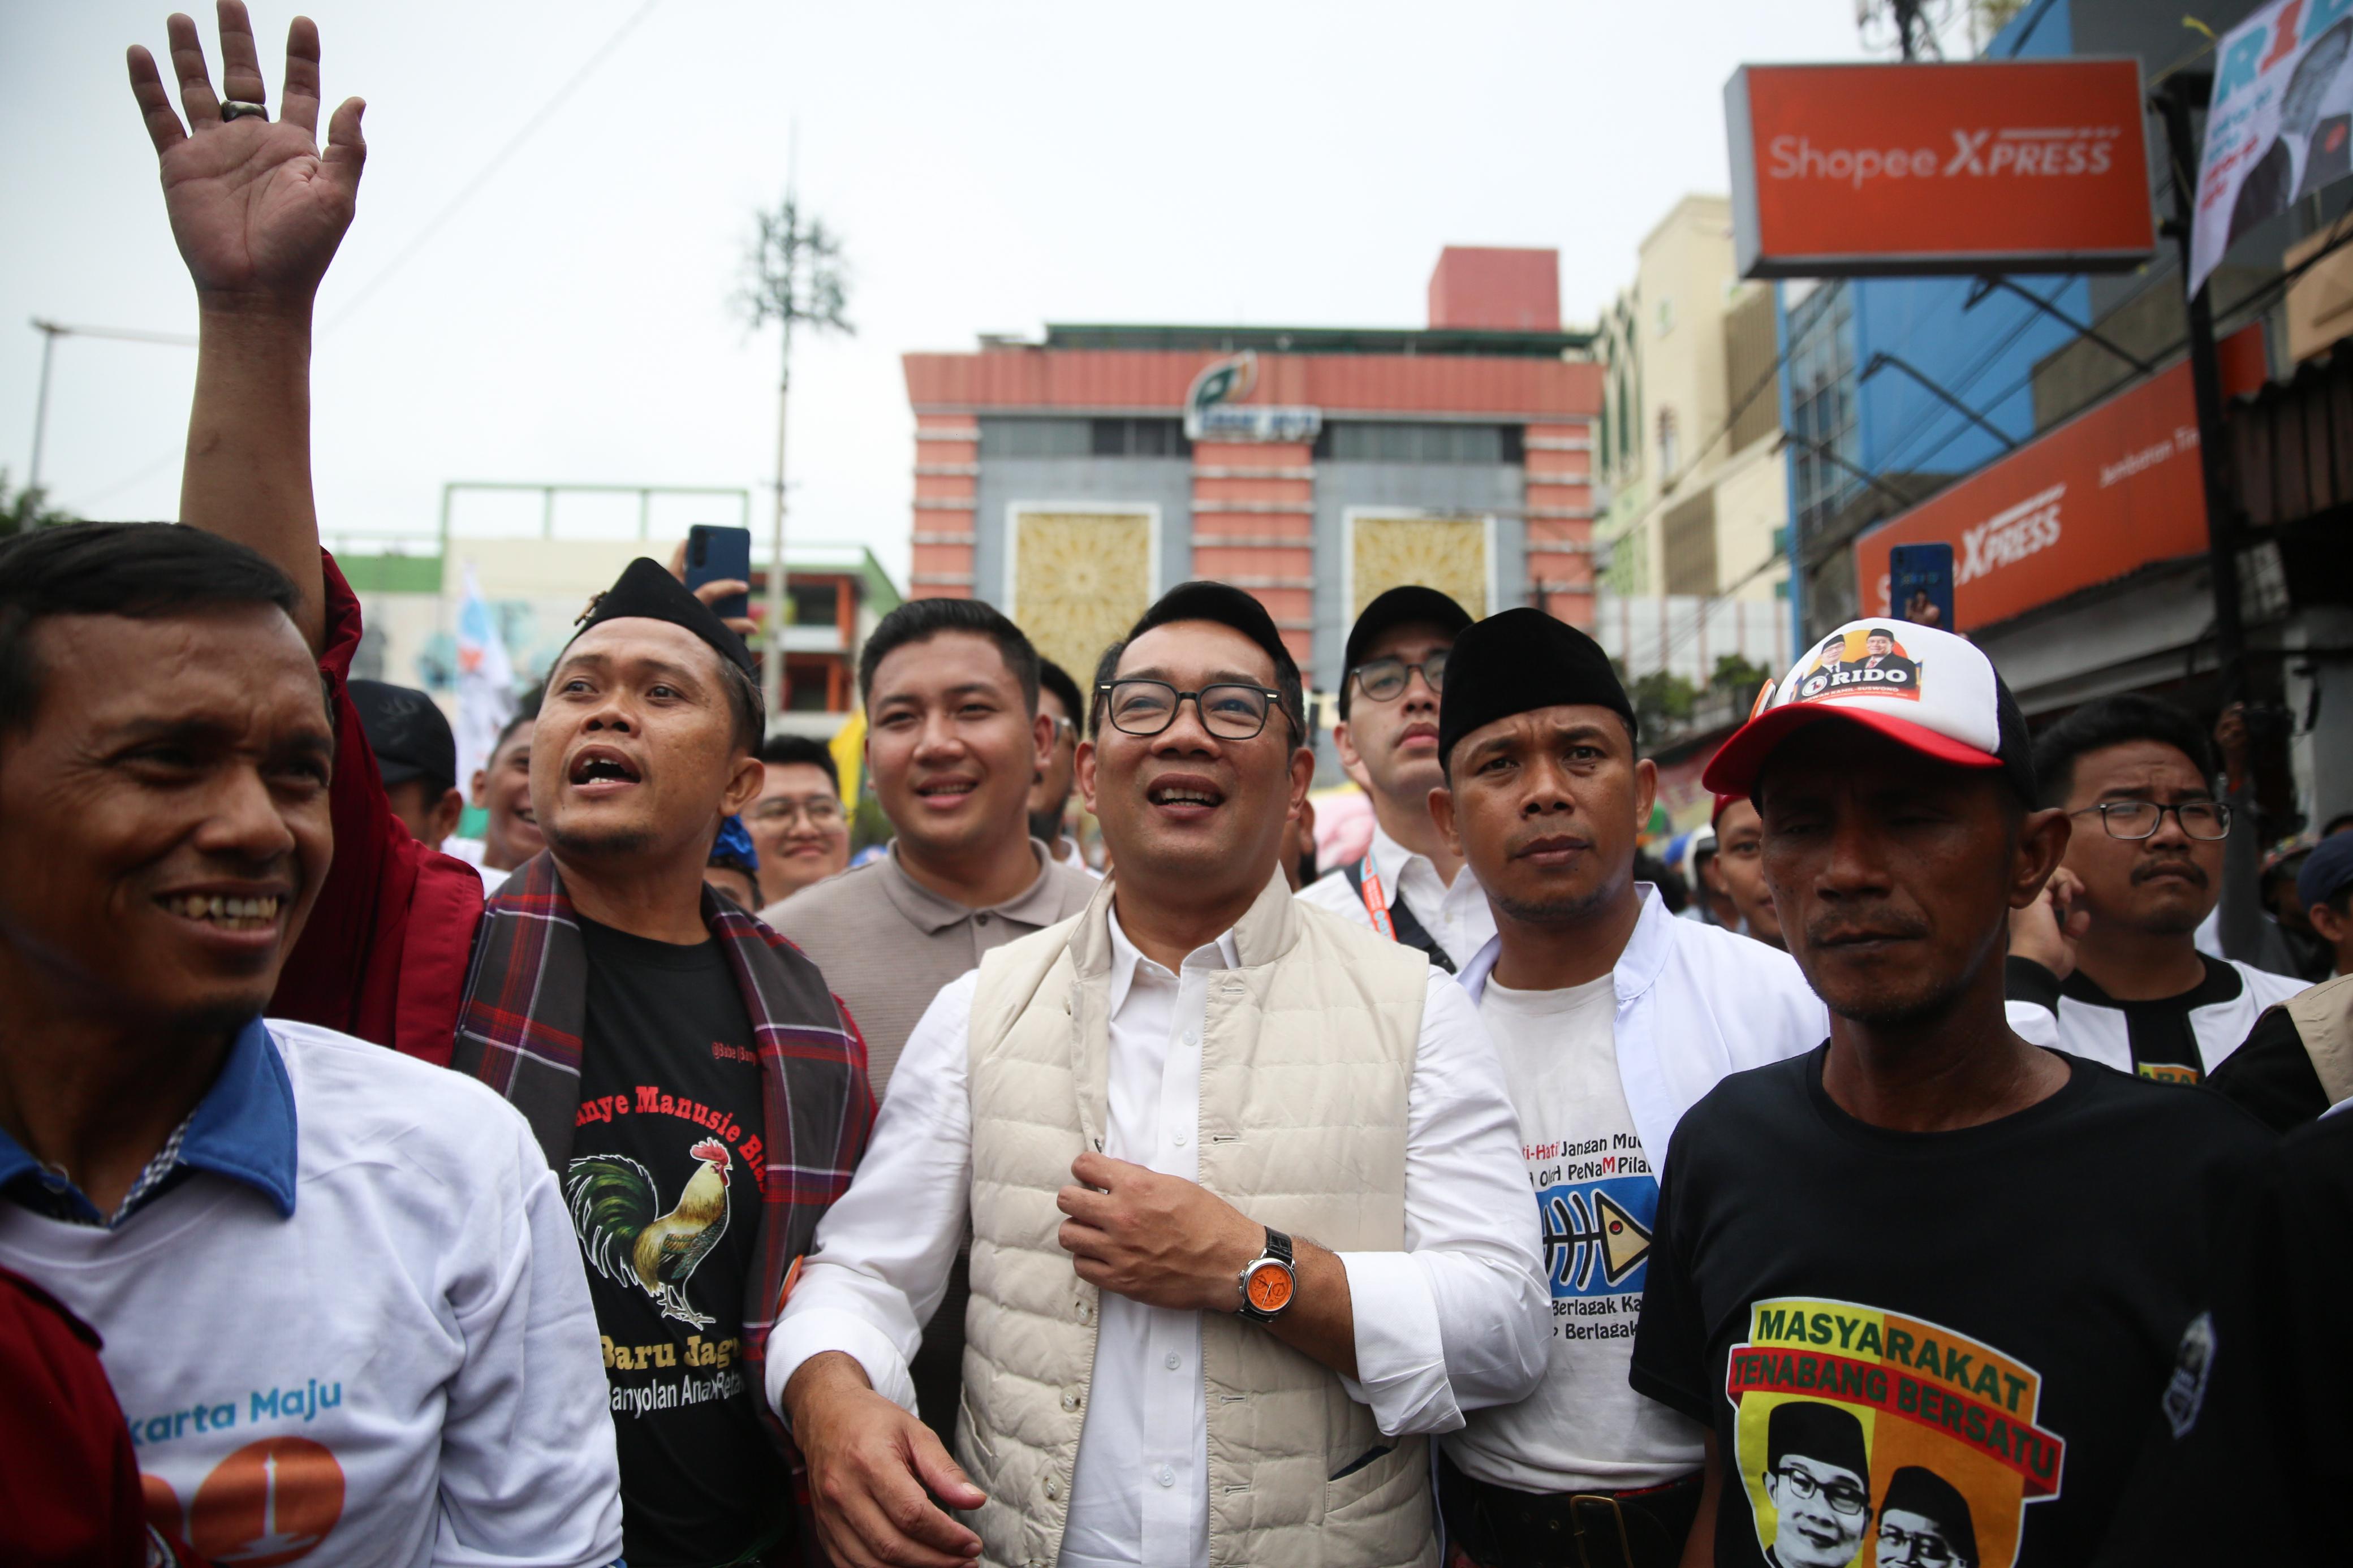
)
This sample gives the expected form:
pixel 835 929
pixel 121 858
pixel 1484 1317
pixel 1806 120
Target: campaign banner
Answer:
pixel 2116 488
pixel 2280 124
pixel 1985 166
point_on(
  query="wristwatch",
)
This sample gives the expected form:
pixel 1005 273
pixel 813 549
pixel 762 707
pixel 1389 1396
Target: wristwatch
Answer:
pixel 1267 1282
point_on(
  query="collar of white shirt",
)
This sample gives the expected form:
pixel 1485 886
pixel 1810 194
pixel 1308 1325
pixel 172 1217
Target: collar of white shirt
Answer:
pixel 1125 956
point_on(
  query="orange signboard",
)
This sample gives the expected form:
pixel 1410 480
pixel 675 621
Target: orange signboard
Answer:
pixel 1988 166
pixel 2115 487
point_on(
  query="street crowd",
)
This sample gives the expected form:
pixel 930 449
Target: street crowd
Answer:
pixel 1953 1184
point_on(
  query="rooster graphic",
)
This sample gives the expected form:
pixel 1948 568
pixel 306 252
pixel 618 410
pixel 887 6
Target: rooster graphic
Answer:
pixel 613 1200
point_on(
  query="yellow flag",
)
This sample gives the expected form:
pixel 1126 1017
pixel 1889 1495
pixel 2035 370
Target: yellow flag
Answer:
pixel 848 748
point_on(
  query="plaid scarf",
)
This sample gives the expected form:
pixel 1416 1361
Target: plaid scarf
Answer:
pixel 520 1027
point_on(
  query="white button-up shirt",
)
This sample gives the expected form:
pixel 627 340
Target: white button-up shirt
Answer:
pixel 1458 918
pixel 1456 1321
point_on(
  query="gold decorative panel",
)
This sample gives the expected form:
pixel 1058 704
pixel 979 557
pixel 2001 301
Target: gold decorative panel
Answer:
pixel 1448 553
pixel 1079 580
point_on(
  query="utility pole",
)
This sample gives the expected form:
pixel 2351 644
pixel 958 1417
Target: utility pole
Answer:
pixel 2179 92
pixel 792 274
pixel 50 332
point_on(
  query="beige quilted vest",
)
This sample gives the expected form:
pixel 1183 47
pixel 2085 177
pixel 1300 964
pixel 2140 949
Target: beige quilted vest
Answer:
pixel 1305 1064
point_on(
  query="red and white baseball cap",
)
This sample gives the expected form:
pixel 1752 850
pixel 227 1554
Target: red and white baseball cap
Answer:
pixel 1928 689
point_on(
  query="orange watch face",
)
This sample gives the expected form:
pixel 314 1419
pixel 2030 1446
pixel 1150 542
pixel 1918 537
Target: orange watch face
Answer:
pixel 1270 1288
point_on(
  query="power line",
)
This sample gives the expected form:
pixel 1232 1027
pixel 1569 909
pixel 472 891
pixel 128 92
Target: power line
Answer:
pixel 424 236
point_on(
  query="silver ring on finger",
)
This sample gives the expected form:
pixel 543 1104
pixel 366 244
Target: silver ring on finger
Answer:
pixel 237 109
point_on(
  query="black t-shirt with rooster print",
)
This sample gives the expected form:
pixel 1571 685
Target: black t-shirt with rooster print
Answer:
pixel 667 1210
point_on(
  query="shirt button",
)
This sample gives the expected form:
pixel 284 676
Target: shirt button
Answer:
pixel 1053 1490
pixel 1166 1477
pixel 1069 1401
pixel 1178 1135
pixel 981 918
pixel 1175 1360
pixel 1191 1038
pixel 1082 1311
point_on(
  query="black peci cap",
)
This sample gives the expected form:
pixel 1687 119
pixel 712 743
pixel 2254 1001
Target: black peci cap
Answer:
pixel 406 732
pixel 1517 661
pixel 645 589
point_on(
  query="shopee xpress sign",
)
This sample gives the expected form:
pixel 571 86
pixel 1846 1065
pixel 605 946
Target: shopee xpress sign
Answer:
pixel 2113 489
pixel 2017 166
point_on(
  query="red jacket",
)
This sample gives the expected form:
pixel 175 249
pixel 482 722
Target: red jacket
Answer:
pixel 384 954
pixel 69 1484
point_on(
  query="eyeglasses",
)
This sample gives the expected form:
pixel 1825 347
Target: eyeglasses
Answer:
pixel 2205 820
pixel 1925 1547
pixel 1844 1497
pixel 822 810
pixel 1384 679
pixel 1229 711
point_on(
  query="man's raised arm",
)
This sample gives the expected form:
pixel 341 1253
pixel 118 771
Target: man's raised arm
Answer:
pixel 258 211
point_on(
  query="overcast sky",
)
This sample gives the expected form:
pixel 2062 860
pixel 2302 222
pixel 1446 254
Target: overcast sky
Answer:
pixel 992 167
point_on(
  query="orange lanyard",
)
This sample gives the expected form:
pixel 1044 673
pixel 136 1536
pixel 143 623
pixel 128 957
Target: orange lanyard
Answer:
pixel 1376 906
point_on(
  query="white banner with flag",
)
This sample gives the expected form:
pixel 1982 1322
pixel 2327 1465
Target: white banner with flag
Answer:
pixel 486 695
pixel 2280 125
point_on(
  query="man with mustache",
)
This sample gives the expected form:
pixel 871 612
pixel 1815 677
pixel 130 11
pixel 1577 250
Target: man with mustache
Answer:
pixel 1409 884
pixel 1611 1018
pixel 2107 959
pixel 1241 1179
pixel 1900 834
pixel 683 1068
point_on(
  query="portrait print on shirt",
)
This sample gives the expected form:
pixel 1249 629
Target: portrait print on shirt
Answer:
pixel 1865 1432
pixel 1868 662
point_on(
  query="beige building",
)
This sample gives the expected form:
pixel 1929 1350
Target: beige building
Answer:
pixel 1697 498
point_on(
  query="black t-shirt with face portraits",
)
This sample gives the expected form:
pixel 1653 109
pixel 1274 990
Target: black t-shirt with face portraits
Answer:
pixel 1929 1347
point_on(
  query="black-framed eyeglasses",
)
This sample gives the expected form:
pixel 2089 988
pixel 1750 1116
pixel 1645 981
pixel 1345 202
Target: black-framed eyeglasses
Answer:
pixel 1385 679
pixel 2204 820
pixel 1228 709
pixel 1925 1547
pixel 1844 1497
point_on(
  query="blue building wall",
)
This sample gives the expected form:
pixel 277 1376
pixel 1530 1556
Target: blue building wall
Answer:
pixel 1896 428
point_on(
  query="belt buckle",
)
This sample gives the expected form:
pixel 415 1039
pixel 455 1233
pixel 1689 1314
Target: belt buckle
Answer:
pixel 1577 1508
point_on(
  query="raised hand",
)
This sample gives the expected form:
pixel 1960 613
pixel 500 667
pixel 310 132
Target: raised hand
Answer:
pixel 257 209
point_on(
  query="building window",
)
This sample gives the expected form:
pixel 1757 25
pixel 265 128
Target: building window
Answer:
pixel 1140 438
pixel 1396 441
pixel 814 603
pixel 1825 447
pixel 1666 316
pixel 1036 438
pixel 1671 449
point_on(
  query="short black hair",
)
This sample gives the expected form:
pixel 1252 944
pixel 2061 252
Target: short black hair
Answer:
pixel 786 750
pixel 146 571
pixel 526 709
pixel 744 695
pixel 1053 677
pixel 1224 605
pixel 921 620
pixel 2336 824
pixel 2115 721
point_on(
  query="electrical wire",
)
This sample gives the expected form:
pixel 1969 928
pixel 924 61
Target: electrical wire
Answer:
pixel 433 225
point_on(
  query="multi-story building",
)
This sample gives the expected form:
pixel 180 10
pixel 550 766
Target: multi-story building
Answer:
pixel 1690 430
pixel 1979 414
pixel 536 588
pixel 1071 480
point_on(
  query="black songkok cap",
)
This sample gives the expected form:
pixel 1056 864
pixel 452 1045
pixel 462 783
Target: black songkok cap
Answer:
pixel 646 589
pixel 1520 660
pixel 1826 1433
pixel 1913 1490
pixel 406 732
